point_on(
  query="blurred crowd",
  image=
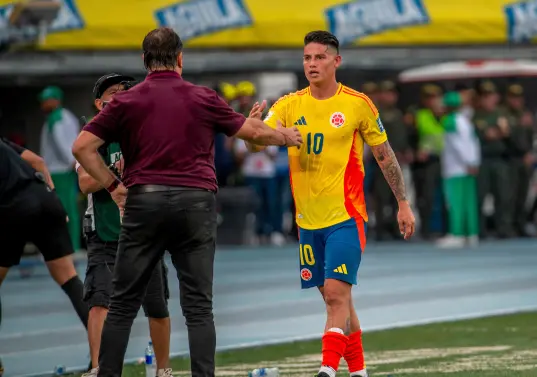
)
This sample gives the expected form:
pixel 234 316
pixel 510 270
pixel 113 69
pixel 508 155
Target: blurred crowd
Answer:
pixel 468 157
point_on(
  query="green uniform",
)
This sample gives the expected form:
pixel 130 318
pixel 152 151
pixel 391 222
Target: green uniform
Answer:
pixel 103 209
pixel 427 175
pixel 493 175
pixel 519 144
pixel 385 202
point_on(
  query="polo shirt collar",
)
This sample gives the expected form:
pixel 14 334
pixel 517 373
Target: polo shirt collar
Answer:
pixel 158 74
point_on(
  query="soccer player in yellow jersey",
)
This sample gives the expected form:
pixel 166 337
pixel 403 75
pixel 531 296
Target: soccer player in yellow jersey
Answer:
pixel 327 174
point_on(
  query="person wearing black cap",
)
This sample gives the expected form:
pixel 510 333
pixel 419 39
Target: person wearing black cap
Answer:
pixel 520 157
pixel 493 131
pixel 430 134
pixel 102 228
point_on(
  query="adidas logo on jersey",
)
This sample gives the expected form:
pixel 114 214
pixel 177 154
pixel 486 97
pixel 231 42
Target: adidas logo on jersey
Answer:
pixel 301 122
pixel 341 269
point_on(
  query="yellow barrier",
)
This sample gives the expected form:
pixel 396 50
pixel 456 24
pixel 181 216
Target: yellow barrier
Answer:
pixel 122 24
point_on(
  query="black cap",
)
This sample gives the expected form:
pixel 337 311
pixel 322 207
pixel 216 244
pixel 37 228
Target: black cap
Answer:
pixel 107 81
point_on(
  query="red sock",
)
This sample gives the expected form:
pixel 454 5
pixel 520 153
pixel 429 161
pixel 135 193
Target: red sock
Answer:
pixel 354 354
pixel 334 345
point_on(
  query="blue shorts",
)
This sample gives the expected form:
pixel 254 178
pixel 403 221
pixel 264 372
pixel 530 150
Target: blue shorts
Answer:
pixel 334 252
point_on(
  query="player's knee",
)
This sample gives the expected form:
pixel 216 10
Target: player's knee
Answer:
pixel 336 294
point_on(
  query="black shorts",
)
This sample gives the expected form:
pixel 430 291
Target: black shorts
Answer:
pixel 99 275
pixel 35 215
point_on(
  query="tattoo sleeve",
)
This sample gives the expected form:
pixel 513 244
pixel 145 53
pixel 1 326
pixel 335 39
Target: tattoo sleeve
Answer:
pixel 390 168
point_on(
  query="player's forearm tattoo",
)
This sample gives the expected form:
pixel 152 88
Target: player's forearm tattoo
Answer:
pixel 390 168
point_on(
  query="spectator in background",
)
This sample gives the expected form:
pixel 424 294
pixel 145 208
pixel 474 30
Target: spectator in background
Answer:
pixel 223 145
pixel 245 92
pixel 386 207
pixel 371 89
pixel 59 132
pixel 493 130
pixel 427 163
pixel 460 163
pixel 467 94
pixel 520 156
pixel 259 172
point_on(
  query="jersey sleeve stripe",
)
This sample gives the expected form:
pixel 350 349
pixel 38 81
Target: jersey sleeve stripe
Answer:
pixel 287 96
pixel 365 98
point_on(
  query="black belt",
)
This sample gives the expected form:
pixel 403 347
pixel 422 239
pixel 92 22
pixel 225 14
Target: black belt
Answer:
pixel 144 189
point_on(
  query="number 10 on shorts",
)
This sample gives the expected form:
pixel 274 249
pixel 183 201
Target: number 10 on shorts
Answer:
pixel 306 255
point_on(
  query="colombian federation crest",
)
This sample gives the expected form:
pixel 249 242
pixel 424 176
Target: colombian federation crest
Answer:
pixel 337 119
pixel 305 274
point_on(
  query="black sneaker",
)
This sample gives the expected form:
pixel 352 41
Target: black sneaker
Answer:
pixel 322 374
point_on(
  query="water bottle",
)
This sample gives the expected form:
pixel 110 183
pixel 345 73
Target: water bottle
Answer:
pixel 264 372
pixel 59 370
pixel 150 362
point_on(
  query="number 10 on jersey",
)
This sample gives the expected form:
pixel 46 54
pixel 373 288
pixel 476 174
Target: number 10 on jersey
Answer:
pixel 306 255
pixel 314 143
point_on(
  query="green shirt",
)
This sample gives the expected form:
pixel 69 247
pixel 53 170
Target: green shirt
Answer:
pixel 430 132
pixel 105 210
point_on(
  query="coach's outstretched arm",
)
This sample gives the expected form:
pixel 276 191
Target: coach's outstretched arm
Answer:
pixel 389 165
pixel 255 131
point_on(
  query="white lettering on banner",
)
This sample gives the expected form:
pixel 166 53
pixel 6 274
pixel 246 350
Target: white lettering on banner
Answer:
pixel 199 17
pixel 68 18
pixel 521 20
pixel 360 18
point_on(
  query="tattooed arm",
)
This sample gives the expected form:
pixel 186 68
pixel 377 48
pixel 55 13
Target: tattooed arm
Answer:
pixel 390 168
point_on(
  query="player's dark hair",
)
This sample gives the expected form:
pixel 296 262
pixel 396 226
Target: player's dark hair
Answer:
pixel 161 47
pixel 322 37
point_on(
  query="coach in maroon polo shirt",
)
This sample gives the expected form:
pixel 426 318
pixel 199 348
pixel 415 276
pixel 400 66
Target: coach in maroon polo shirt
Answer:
pixel 166 128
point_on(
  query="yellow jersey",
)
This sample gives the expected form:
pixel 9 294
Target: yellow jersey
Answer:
pixel 327 171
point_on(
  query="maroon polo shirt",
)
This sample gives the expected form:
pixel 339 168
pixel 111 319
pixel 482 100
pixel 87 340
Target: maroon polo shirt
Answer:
pixel 166 127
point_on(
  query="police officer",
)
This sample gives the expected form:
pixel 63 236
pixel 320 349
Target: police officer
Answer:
pixel 429 142
pixel 385 203
pixel 519 150
pixel 493 131
pixel 30 211
pixel 102 228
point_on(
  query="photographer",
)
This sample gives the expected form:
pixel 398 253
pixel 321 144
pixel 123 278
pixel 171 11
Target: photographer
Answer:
pixel 102 227
pixel 30 210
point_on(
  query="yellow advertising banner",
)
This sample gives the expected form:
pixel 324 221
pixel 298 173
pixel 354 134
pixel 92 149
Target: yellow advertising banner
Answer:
pixel 122 24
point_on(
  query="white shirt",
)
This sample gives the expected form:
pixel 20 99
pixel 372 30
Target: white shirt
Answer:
pixel 461 148
pixel 56 144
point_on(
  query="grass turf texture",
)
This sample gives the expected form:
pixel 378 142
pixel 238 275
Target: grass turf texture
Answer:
pixel 498 346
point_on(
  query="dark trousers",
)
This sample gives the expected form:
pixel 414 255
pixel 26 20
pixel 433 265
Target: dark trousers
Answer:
pixel 494 178
pixel 427 180
pixel 184 223
pixel 266 216
pixel 520 183
pixel 385 206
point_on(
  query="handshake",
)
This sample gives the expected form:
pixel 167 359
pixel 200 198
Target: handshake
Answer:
pixel 292 136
